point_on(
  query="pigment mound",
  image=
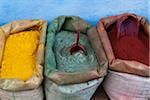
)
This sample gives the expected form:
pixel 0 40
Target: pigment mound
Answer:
pixel 129 45
pixel 77 61
pixel 19 57
pixel 131 48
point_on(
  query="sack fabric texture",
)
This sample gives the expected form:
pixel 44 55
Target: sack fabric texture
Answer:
pixel 126 79
pixel 71 85
pixel 116 64
pixel 14 27
pixel 33 94
pixel 123 86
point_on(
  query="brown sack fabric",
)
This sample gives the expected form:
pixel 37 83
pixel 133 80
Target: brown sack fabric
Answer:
pixel 66 24
pixel 18 26
pixel 116 64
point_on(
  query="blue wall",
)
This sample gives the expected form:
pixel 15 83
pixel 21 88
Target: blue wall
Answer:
pixel 90 10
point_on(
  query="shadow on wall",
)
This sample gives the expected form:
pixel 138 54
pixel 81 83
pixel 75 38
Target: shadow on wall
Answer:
pixel 91 11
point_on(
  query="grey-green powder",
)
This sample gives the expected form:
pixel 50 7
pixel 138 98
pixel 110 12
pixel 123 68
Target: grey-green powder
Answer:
pixel 78 61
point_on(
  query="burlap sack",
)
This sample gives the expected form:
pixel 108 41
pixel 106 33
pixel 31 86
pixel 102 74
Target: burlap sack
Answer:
pixel 127 66
pixel 17 26
pixel 123 86
pixel 71 23
pixel 34 94
pixel 82 91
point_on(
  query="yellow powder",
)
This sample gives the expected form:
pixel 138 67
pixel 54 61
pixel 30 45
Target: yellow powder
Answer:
pixel 20 55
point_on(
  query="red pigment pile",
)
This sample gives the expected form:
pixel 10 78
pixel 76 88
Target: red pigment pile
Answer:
pixel 128 44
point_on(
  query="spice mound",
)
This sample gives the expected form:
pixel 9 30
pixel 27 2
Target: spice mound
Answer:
pixel 75 62
pixel 131 48
pixel 19 57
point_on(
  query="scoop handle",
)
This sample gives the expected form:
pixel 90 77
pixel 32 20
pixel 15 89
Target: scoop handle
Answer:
pixel 127 26
pixel 78 37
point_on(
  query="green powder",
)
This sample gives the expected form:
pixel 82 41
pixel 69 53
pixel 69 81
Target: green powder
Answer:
pixel 78 61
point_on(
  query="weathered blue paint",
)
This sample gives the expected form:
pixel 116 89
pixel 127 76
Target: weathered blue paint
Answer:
pixel 90 10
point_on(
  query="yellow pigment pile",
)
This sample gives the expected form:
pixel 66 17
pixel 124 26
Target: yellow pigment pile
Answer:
pixel 20 55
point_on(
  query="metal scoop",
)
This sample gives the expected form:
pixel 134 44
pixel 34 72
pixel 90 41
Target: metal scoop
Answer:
pixel 77 46
pixel 127 26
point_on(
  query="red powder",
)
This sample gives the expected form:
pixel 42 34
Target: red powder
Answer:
pixel 130 47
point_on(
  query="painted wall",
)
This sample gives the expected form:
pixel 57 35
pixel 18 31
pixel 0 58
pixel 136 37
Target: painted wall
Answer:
pixel 90 10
